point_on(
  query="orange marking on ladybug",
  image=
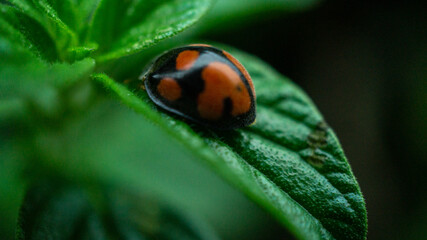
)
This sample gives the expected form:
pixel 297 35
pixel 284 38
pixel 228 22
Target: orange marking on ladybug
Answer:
pixel 186 59
pixel 169 89
pixel 200 45
pixel 221 82
pixel 241 69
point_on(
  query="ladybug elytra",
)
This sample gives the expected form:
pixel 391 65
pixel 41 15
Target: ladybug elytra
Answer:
pixel 203 84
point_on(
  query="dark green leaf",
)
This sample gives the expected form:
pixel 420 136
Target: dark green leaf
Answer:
pixel 290 161
pixel 161 23
pixel 106 22
pixel 229 14
pixel 12 186
pixel 52 212
pixel 224 8
pixel 132 215
pixel 57 210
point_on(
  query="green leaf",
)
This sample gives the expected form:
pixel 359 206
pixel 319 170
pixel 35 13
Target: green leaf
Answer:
pixel 45 15
pixel 29 80
pixel 12 185
pixel 289 162
pixel 105 22
pixel 27 7
pixel 86 8
pixel 11 33
pixel 161 23
pixel 137 11
pixel 246 7
pixel 50 211
pixel 60 32
pixel 34 36
pixel 132 214
pixel 79 53
pixel 11 110
pixel 111 142
pixel 67 11
pixel 230 14
pixel 57 210
pixel 23 75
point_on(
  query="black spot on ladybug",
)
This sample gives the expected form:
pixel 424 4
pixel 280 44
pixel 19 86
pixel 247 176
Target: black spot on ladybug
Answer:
pixel 228 105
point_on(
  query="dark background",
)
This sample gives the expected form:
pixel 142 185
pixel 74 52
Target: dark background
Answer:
pixel 364 63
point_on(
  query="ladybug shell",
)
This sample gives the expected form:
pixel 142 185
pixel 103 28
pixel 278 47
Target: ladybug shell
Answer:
pixel 203 84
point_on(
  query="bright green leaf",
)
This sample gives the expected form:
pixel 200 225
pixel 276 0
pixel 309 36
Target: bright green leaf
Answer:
pixel 290 161
pixel 23 75
pixel 27 7
pixel 11 33
pixel 20 28
pixel 161 23
pixel 61 32
pixel 79 53
pixel 86 7
pixel 67 11
pixel 45 15
pixel 85 12
pixel 137 11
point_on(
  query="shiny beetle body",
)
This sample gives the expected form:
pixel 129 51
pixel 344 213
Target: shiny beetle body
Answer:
pixel 203 84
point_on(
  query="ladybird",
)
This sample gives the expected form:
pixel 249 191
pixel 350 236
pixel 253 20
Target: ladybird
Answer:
pixel 203 84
